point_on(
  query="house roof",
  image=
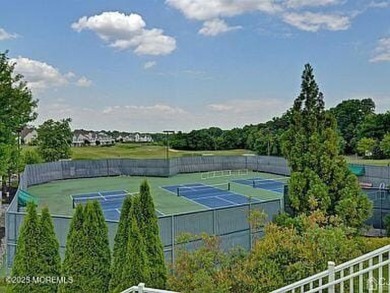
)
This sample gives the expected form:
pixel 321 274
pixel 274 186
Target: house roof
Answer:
pixel 26 130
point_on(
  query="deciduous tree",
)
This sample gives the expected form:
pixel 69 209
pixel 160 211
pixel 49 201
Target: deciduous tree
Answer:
pixel 385 145
pixel 17 108
pixel 54 140
pixel 366 146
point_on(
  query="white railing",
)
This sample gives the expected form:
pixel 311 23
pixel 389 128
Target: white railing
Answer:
pixel 142 289
pixel 362 274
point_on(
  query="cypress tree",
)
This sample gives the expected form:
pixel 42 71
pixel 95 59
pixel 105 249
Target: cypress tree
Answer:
pixel 135 269
pixel 151 233
pixel 73 265
pixel 49 256
pixel 26 261
pixel 320 178
pixel 120 244
pixel 97 259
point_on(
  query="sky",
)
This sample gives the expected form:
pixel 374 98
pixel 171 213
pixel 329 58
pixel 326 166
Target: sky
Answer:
pixel 154 65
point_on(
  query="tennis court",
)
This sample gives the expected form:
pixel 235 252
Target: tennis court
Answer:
pixel 210 196
pixel 111 201
pixel 275 184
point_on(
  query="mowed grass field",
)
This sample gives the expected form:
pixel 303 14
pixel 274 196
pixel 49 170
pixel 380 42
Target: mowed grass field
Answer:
pixel 140 151
pixel 57 194
pixel 153 151
pixel 358 160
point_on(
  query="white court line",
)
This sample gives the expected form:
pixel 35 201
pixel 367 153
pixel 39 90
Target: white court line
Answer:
pixel 184 196
pixel 162 214
pixel 234 203
pixel 102 196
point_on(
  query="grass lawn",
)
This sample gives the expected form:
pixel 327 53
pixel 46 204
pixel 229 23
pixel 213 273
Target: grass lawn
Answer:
pixel 358 160
pixel 142 151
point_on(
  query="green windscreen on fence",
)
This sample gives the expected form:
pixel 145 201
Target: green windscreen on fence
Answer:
pixel 358 170
pixel 24 198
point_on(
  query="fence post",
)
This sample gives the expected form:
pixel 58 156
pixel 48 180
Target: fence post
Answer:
pixel 173 238
pixel 331 276
pixel 141 287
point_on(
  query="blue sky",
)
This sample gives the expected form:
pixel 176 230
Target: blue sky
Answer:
pixel 185 64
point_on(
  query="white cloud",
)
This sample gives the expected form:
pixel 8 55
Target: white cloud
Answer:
pixel 220 107
pixel 139 111
pixel 211 9
pixel 4 35
pixel 259 107
pixel 382 51
pixel 312 22
pixel 123 32
pixel 83 82
pixel 215 27
pixel 311 3
pixel 159 116
pixel 149 64
pixel 380 4
pixel 39 75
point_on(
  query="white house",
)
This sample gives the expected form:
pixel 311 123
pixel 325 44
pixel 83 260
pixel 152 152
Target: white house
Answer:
pixel 28 135
pixel 90 138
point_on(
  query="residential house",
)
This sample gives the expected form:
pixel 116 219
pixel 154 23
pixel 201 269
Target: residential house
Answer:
pixel 83 137
pixel 28 135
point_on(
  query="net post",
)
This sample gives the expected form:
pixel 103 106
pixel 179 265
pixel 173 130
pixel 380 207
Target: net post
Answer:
pixel 253 184
pixel 228 185
pixel 178 191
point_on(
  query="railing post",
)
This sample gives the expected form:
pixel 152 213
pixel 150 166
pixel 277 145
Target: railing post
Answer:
pixel 141 287
pixel 331 276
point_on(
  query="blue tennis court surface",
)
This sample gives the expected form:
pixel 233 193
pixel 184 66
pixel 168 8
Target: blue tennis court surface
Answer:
pixel 211 196
pixel 111 202
pixel 275 185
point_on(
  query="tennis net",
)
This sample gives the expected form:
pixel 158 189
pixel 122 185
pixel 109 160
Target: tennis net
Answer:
pixel 203 189
pixel 273 183
pixel 80 199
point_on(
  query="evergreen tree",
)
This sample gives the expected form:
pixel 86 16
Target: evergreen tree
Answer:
pixel 26 261
pixel 151 233
pixel 320 179
pixel 87 255
pixel 120 245
pixel 135 269
pixel 49 256
pixel 73 265
pixel 97 259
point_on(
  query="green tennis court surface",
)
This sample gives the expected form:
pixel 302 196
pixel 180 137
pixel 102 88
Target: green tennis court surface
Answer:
pixel 57 194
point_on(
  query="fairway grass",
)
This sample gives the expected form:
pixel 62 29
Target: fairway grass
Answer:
pixel 56 195
pixel 140 151
pixel 359 161
pixel 153 151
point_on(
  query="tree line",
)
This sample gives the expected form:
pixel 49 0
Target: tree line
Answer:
pixel 361 130
pixel 88 264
